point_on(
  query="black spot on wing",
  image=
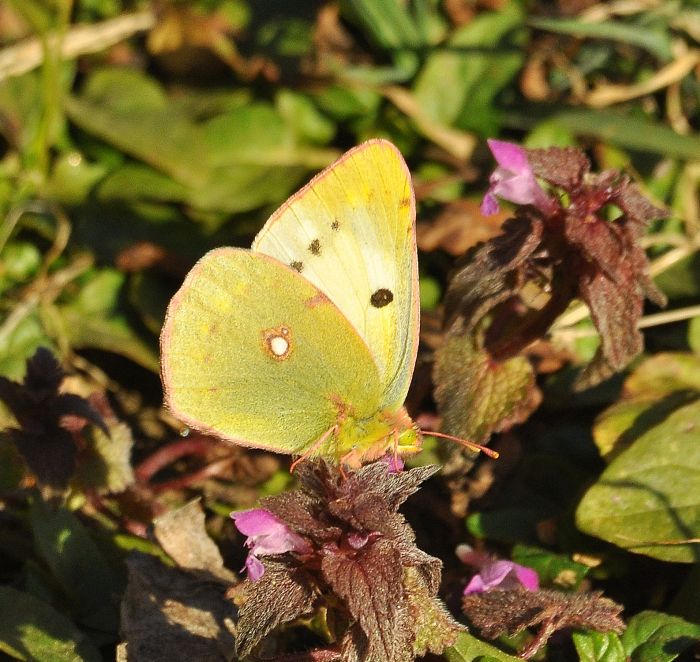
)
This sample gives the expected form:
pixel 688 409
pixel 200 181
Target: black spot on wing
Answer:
pixel 297 266
pixel 335 224
pixel 381 298
pixel 315 247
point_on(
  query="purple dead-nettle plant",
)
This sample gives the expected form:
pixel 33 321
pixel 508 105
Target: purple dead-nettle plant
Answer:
pixel 514 180
pixel 580 237
pixel 266 536
pixel 504 597
pixel 336 550
pixel 496 574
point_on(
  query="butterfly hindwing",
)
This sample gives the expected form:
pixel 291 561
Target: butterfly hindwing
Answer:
pixel 254 353
pixel 351 232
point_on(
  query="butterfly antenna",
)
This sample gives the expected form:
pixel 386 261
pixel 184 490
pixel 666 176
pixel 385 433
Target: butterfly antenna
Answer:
pixel 466 443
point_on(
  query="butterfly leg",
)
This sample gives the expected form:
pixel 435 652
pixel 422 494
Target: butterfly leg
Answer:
pixel 395 450
pixel 314 447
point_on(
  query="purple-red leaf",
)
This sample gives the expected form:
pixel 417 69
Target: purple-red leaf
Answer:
pixel 281 595
pixel 47 419
pixel 357 554
pixel 552 253
pixel 370 584
pixel 478 395
pixel 509 612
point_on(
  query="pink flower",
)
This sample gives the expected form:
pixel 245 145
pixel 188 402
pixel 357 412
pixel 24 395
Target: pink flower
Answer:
pixel 394 463
pixel 496 574
pixel 266 535
pixel 513 180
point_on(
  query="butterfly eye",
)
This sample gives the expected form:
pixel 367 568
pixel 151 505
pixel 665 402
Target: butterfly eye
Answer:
pixel 278 342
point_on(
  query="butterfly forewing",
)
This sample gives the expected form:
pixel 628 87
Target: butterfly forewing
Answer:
pixel 351 232
pixel 256 354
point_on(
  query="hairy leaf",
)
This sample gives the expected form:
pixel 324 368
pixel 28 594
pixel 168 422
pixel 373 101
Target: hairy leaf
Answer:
pixel 370 584
pixel 434 626
pixel 509 612
pixel 478 395
pixel 281 595
pixel 361 563
pixel 494 272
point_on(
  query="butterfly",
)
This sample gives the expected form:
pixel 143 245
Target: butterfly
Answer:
pixel 306 343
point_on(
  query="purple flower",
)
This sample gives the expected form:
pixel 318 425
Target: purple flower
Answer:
pixel 496 574
pixel 266 535
pixel 513 180
pixel 394 463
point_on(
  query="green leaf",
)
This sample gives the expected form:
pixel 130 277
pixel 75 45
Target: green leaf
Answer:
pixel 465 67
pixel 680 281
pixel 660 385
pixel 619 425
pixel 433 624
pixel 599 647
pixel 143 125
pixel 622 129
pixel 20 343
pixel 388 22
pixel 73 178
pixel 477 395
pixel 137 181
pixel 648 499
pixel 430 293
pixel 694 334
pixel 76 563
pixel 557 569
pixel 30 629
pixel 20 261
pixel 345 103
pixel 655 637
pixel 22 109
pixel 656 41
pixel 253 159
pixel 470 648
pixel 665 373
pixel 299 112
pixel 124 90
pixel 95 319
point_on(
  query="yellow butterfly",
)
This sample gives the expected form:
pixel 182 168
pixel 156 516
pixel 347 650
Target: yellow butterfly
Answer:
pixel 306 343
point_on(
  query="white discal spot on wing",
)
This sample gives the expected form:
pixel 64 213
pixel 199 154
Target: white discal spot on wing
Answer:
pixel 278 342
pixel 279 345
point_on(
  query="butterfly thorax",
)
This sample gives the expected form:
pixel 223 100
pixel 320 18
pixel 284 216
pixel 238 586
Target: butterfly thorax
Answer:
pixel 358 440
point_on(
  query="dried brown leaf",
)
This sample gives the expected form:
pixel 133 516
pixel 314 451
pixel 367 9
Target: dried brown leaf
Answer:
pixel 170 614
